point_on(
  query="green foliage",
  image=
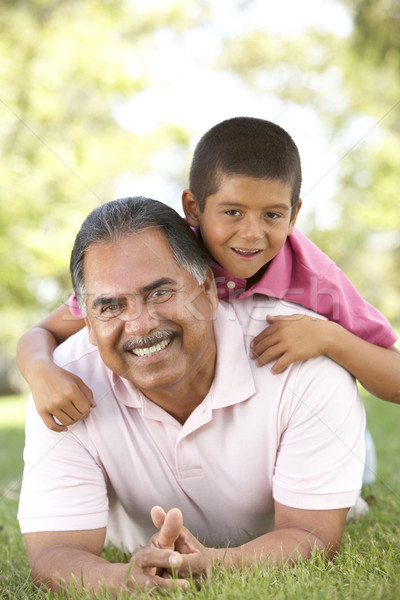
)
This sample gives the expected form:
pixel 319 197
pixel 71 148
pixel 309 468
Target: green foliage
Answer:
pixel 66 69
pixel 353 84
pixel 69 68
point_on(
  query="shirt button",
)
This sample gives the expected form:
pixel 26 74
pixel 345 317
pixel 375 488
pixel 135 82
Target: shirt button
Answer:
pixel 231 285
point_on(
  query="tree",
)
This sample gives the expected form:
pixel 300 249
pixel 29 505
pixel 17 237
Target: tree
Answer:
pixel 353 84
pixel 67 69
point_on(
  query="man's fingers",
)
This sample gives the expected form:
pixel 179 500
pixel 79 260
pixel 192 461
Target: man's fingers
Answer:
pixel 157 516
pixel 151 557
pixel 170 529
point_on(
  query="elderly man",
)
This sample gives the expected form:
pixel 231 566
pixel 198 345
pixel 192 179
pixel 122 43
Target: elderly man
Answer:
pixel 183 420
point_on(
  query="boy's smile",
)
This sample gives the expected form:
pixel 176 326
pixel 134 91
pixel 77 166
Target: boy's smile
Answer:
pixel 245 223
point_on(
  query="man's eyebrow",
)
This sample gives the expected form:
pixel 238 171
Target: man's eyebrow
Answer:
pixel 158 283
pixel 104 300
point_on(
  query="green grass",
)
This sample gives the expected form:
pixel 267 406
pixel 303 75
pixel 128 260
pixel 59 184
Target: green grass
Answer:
pixel 368 566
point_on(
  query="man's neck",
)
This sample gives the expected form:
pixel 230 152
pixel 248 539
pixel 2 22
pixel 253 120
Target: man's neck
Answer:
pixel 181 399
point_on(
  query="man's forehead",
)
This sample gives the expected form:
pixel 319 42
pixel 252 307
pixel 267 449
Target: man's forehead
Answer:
pixel 132 264
pixel 139 250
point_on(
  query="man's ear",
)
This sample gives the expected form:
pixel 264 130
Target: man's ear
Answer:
pixel 211 289
pixel 190 208
pixel 294 217
pixel 92 335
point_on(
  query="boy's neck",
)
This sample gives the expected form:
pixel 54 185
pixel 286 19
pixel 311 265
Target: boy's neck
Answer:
pixel 256 277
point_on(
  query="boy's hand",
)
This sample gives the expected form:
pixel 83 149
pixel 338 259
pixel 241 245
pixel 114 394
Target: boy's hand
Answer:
pixel 289 338
pixel 59 394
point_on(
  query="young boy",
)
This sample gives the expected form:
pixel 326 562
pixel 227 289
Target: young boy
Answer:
pixel 243 202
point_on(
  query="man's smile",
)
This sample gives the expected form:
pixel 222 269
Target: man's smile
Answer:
pixel 149 345
pixel 152 350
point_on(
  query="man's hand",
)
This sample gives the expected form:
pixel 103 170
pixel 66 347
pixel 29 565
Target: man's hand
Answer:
pixel 154 564
pixel 289 338
pixel 196 558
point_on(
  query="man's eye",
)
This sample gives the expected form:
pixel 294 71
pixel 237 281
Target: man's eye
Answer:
pixel 110 310
pixel 161 295
pixel 232 213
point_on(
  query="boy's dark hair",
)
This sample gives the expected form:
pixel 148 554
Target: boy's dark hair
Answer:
pixel 244 146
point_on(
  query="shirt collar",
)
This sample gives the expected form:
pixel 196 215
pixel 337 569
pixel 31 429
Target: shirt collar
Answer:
pixel 233 381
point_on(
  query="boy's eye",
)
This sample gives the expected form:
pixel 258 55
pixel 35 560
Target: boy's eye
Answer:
pixel 272 215
pixel 232 212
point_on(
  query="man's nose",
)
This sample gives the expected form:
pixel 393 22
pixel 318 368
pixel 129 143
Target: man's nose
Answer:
pixel 138 318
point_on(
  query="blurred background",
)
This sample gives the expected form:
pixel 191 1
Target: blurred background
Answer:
pixel 103 99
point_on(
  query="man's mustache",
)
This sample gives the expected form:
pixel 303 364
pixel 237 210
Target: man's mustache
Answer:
pixel 148 340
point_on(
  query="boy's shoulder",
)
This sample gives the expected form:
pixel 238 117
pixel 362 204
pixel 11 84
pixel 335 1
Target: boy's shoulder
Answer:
pixel 305 251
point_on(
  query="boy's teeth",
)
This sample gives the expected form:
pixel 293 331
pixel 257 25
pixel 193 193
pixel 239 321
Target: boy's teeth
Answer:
pixel 240 251
pixel 152 349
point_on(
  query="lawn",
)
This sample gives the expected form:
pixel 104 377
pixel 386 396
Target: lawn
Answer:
pixel 368 566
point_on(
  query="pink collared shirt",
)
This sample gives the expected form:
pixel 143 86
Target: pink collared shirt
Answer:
pixel 303 274
pixel 297 437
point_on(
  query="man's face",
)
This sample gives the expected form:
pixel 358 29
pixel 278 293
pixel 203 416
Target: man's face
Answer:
pixel 149 318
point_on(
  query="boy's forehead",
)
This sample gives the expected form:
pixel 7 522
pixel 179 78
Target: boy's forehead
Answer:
pixel 239 185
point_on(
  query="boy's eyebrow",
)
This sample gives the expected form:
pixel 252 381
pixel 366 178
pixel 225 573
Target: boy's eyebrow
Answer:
pixel 103 300
pixel 280 205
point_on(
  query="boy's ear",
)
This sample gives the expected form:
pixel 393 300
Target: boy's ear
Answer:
pixel 293 219
pixel 190 208
pixel 92 336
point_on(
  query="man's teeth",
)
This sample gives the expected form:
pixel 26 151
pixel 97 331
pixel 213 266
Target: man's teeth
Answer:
pixel 152 349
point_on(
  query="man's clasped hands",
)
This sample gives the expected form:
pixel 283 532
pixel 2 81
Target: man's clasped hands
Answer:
pixel 172 557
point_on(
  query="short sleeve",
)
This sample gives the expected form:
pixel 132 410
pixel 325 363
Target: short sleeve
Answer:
pixel 63 488
pixel 321 454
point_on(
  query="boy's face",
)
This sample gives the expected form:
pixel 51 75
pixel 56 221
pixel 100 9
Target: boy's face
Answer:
pixel 245 223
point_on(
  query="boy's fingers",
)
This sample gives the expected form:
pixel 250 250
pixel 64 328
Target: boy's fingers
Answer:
pixel 49 421
pixel 87 392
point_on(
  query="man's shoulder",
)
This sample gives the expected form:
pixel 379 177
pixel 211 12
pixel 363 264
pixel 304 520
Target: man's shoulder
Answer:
pixel 251 312
pixel 75 348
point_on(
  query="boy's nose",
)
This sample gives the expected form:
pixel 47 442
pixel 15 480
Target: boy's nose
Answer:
pixel 251 230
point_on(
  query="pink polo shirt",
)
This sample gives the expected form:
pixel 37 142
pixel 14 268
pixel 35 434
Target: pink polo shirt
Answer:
pixel 297 437
pixel 303 274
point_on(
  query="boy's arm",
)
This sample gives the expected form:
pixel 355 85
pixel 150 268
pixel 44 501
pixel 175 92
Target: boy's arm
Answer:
pixel 299 337
pixel 57 393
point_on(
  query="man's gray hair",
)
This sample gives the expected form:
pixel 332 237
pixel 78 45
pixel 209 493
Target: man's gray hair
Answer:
pixel 128 216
